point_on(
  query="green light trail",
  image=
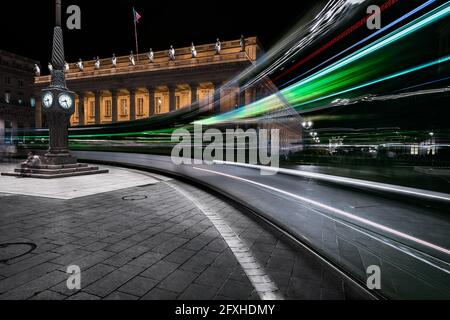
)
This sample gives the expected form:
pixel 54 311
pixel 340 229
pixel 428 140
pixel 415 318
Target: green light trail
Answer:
pixel 343 76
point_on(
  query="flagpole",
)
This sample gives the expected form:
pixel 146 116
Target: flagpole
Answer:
pixel 135 34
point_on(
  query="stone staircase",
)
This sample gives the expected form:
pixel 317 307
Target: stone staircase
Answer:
pixel 55 171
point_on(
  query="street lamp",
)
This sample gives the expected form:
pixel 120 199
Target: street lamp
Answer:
pixel 307 124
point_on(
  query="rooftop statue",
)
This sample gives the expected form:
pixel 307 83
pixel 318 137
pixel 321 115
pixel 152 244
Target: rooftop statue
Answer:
pixel 37 70
pixel 151 56
pixel 97 63
pixel 131 58
pixel 80 65
pixel 193 51
pixel 172 53
pixel 218 46
pixel 242 43
pixel 114 60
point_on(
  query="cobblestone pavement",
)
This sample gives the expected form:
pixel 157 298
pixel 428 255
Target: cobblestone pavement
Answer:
pixel 150 242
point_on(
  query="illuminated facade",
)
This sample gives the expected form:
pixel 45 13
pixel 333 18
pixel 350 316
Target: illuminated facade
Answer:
pixel 127 92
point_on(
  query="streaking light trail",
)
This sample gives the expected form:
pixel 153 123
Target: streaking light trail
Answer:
pixel 339 77
pixel 373 35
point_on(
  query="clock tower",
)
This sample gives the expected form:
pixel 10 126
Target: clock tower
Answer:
pixel 58 102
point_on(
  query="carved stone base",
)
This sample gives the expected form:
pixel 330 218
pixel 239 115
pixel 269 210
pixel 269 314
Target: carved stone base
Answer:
pixel 58 159
pixel 55 171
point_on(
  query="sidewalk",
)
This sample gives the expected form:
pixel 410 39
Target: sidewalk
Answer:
pixel 157 241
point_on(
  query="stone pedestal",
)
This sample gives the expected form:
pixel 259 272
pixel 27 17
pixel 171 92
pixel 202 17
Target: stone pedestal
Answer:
pixel 47 171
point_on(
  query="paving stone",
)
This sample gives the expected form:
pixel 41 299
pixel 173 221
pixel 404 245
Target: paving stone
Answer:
pixel 199 292
pixel 202 260
pixel 178 281
pixel 213 277
pixel 160 294
pixel 236 290
pixel 120 296
pixel 29 263
pixel 26 276
pixel 147 259
pixel 138 286
pixel 160 270
pixel 180 255
pixel 83 296
pixel 48 295
pixel 34 287
pixel 109 283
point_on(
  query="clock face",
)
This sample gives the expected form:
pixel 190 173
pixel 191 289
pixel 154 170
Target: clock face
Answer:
pixel 65 101
pixel 47 99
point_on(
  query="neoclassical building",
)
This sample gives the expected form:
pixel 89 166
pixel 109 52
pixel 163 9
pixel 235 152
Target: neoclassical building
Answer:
pixel 126 92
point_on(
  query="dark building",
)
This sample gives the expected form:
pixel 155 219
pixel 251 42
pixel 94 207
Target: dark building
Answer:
pixel 17 102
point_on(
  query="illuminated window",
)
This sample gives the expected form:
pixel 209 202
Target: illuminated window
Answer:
pixel 158 105
pixel 123 107
pixel 177 102
pixel 415 149
pixel 8 97
pixel 92 109
pixel 108 109
pixel 33 102
pixel 21 99
pixel 140 105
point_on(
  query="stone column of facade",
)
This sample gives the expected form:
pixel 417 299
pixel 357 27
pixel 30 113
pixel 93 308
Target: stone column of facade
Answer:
pixel 132 104
pixel 81 117
pixel 151 101
pixel 114 106
pixel 241 98
pixel 172 106
pixel 217 96
pixel 194 88
pixel 98 95
pixel 38 113
pixel 248 96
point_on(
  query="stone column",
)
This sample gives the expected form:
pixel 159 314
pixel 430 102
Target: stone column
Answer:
pixel 81 117
pixel 98 95
pixel 248 96
pixel 241 97
pixel 114 105
pixel 132 104
pixel 172 106
pixel 151 101
pixel 194 88
pixel 38 112
pixel 217 97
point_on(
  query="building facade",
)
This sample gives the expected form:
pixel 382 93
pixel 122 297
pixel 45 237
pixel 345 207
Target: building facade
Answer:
pixel 109 93
pixel 17 100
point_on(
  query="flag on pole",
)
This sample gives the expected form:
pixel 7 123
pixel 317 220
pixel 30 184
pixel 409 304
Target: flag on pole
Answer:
pixel 137 16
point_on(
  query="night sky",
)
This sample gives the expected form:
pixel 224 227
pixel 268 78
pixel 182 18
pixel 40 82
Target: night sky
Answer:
pixel 107 26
